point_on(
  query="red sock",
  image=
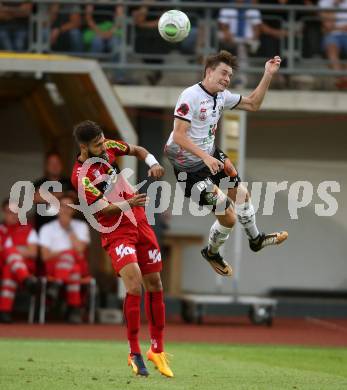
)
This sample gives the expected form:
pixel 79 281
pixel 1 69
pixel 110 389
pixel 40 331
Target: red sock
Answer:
pixel 131 310
pixel 155 311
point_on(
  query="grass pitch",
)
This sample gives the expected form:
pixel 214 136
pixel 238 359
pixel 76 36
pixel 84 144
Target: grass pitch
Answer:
pixel 41 365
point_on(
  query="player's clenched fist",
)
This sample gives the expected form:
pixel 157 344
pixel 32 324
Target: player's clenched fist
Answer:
pixel 213 164
pixel 156 171
pixel 273 65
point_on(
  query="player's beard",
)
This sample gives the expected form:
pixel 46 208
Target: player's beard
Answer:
pixel 102 155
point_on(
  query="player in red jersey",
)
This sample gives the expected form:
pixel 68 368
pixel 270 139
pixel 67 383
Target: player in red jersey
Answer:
pixel 3 237
pixel 126 235
pixel 19 251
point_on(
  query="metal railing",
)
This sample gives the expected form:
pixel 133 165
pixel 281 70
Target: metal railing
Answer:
pixel 125 56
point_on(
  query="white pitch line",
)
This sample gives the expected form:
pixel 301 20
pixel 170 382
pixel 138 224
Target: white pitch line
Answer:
pixel 327 324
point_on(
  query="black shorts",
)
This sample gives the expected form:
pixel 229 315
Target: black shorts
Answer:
pixel 203 180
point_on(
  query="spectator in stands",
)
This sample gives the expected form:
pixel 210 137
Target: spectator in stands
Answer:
pixel 239 34
pixel 19 260
pixel 273 30
pixel 311 31
pixel 14 25
pixel 53 172
pixel 194 43
pixel 334 26
pixel 3 236
pixel 105 28
pixel 104 33
pixel 65 23
pixel 64 244
pixel 147 39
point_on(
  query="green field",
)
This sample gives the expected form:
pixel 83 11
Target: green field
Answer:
pixel 41 365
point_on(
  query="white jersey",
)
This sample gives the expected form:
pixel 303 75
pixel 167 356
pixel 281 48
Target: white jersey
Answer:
pixel 202 110
pixel 54 237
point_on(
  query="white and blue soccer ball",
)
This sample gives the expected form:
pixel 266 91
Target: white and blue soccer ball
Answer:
pixel 174 26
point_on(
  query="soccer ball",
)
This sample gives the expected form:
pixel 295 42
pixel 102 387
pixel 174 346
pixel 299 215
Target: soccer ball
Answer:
pixel 174 26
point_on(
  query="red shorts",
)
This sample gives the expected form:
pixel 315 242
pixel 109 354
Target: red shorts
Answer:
pixel 135 246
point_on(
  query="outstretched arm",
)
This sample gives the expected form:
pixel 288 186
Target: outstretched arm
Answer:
pixel 255 99
pixel 155 169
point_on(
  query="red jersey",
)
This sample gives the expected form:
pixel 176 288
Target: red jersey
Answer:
pixel 92 186
pixel 3 238
pixel 21 235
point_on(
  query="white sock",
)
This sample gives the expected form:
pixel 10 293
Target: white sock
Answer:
pixel 218 235
pixel 246 216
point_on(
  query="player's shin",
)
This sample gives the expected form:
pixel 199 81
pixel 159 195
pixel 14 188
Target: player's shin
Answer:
pixel 131 311
pixel 218 235
pixel 246 216
pixel 155 312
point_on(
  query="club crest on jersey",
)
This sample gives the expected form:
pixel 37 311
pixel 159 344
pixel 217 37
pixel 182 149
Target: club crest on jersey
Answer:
pixel 203 114
pixel 183 109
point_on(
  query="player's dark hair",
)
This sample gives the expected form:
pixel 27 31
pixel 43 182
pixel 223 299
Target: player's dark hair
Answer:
pixel 86 131
pixel 223 56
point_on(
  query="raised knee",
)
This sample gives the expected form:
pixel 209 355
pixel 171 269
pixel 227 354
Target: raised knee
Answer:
pixel 230 218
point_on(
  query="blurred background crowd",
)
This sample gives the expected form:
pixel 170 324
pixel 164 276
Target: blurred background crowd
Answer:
pixel 124 33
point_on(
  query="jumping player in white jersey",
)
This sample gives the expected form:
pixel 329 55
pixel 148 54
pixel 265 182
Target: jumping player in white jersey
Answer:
pixel 201 166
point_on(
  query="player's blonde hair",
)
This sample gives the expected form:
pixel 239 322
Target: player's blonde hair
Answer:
pixel 223 56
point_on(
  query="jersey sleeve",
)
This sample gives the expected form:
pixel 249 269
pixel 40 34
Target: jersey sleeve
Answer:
pixel 83 184
pixel 185 106
pixel 231 99
pixel 118 148
pixel 91 192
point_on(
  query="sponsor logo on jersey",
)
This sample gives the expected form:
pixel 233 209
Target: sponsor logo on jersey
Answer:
pixel 122 250
pixel 112 179
pixel 203 114
pixel 183 109
pixel 154 255
pixel 212 130
pixel 204 102
pixel 110 144
pixel 89 187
